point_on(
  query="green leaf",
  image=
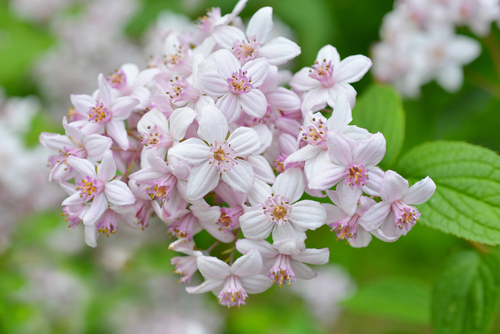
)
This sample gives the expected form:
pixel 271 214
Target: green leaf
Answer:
pixel 467 199
pixel 466 294
pixel 380 109
pixel 393 298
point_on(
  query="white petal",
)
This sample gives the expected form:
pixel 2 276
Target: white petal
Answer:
pixel 211 267
pixel 348 198
pixel 96 145
pixel 116 130
pixel 371 151
pixel 208 285
pixel 152 118
pixel 376 177
pixel 450 77
pixel 254 103
pixel 247 265
pixel 105 91
pixel 227 64
pixel 211 83
pixel 202 180
pixel 118 193
pixel 82 166
pixel 420 192
pixel 289 231
pixel 192 151
pixel 91 235
pixel 352 69
pixel 213 125
pixel 374 217
pixel 313 256
pixel 254 225
pixel 279 50
pixel 97 208
pixel 394 187
pixel 339 149
pixel 363 238
pixel 225 36
pixel 307 215
pixel 244 141
pixel 261 168
pixel 122 107
pixel 333 213
pixel 257 71
pixel 229 106
pixel 327 177
pixel 302 271
pixel 256 284
pixel 314 99
pixel 290 184
pixel 107 169
pixel 463 49
pixel 305 153
pixel 260 192
pixel 55 141
pixel 261 24
pixel 341 115
pixel 327 53
pixel 302 82
pixel 82 102
pixel 240 177
pixel 265 249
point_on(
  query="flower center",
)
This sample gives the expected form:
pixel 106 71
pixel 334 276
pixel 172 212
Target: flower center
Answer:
pixel 162 188
pixel 183 228
pixel 405 216
pixel 233 293
pixel 222 156
pixel 239 83
pixel 244 50
pixel 99 114
pixel 346 228
pixel 117 80
pixel 108 223
pixel 155 138
pixel 277 209
pixel 208 20
pixel 315 134
pixel 282 271
pixel 185 266
pixel 229 218
pixel 323 72
pixel 356 176
pixel 89 188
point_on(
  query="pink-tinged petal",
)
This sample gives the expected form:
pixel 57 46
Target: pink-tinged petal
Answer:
pixel 265 136
pixel 208 285
pixel 247 265
pixel 376 177
pixel 352 69
pixel 229 106
pixel 333 213
pixel 91 236
pixel 290 184
pixel 146 76
pixel 348 197
pixel 73 199
pixel 394 187
pixel 82 166
pixel 261 168
pixel 308 215
pixel 97 208
pixel 287 246
pixel 257 69
pixel 313 256
pixel 131 71
pixel 212 83
pixel 203 179
pixel 265 249
pixel 341 115
pixel 388 231
pixel 105 91
pixel 327 177
pixel 118 193
pixel 213 268
pixel 213 125
pixel 261 24
pixel 279 50
pixel 55 141
pixel 302 271
pixel 215 231
pixel 152 118
pixel 158 163
pixel 371 151
pixel 146 174
pixel 240 177
pixel 93 127
pixel 374 217
pixel 192 151
pixel 256 284
pixel 363 238
pixel 342 87
pixel 254 103
pixel 254 225
pixel 232 198
pixel 180 120
pixel 314 99
pixel 339 149
pixel 96 145
pixel 327 53
pixel 289 231
pixel 315 164
pixel 227 63
pixel 73 131
pixel 83 102
pixel 107 169
pixel 305 153
pixel 284 99
pixel 420 192
pixel 116 130
pixel 302 82
pixel 225 36
pixel 259 193
pixel 272 80
pixel 244 141
pixel 122 107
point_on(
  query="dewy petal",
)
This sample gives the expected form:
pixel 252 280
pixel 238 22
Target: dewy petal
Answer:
pixel 394 187
pixel 260 192
pixel 118 193
pixel 302 271
pixel 97 208
pixel 122 107
pixel 348 198
pixel 202 180
pixel 226 35
pixel 352 69
pixel 290 184
pixel 82 166
pixel 240 177
pixel 327 53
pixel 96 145
pixel 371 151
pixel 192 151
pixel 254 103
pixel 326 177
pixel 208 285
pixel 339 149
pixel 116 130
pixel 341 115
pixel 254 225
pixel 257 69
pixel 211 267
pixel 313 256
pixel 229 106
pixel 261 24
pixel 107 169
pixel 420 192
pixel 256 284
pixel 105 91
pixel 279 50
pixel 265 249
pixel 308 215
pixel 244 141
pixel 213 125
pixel 374 217
pixel 302 82
pixel 247 265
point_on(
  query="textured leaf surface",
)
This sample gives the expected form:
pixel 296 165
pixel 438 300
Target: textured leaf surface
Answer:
pixel 467 199
pixel 380 109
pixel 466 294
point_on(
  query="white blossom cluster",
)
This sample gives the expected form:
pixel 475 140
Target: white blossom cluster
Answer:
pixel 207 138
pixel 419 42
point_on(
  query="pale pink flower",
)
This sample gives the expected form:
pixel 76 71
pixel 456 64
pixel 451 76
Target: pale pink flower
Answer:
pixel 229 218
pixel 185 266
pixel 234 282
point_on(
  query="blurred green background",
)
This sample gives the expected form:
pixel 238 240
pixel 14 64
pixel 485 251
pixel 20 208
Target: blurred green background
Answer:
pixel 393 280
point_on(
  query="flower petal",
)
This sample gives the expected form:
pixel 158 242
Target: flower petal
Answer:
pixel 213 125
pixel 279 50
pixel 244 141
pixel 96 145
pixel 265 249
pixel 314 100
pixel 97 208
pixel 254 103
pixel 371 151
pixel 394 187
pixel 259 193
pixel 211 267
pixel 204 178
pixel 240 177
pixel 290 184
pixel 122 107
pixel 313 256
pixel 247 265
pixel 254 225
pixel 82 166
pixel 327 53
pixel 208 285
pixel 348 198
pixel 374 217
pixel 257 70
pixel 116 130
pixel 352 69
pixel 307 215
pixel 118 193
pixel 229 106
pixel 261 168
pixel 302 271
pixel 256 284
pixel 192 151
pixel 341 115
pixel 180 120
pixel 420 192
pixel 261 24
pixel 105 91
pixel 326 177
pixel 302 82
pixel 225 36
pixel 107 169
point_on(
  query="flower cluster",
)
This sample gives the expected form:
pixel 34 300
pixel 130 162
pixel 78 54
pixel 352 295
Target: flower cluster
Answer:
pixel 194 140
pixel 419 42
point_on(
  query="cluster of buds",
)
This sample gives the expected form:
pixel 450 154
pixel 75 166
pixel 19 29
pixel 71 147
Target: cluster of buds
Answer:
pixel 419 42
pixel 193 140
